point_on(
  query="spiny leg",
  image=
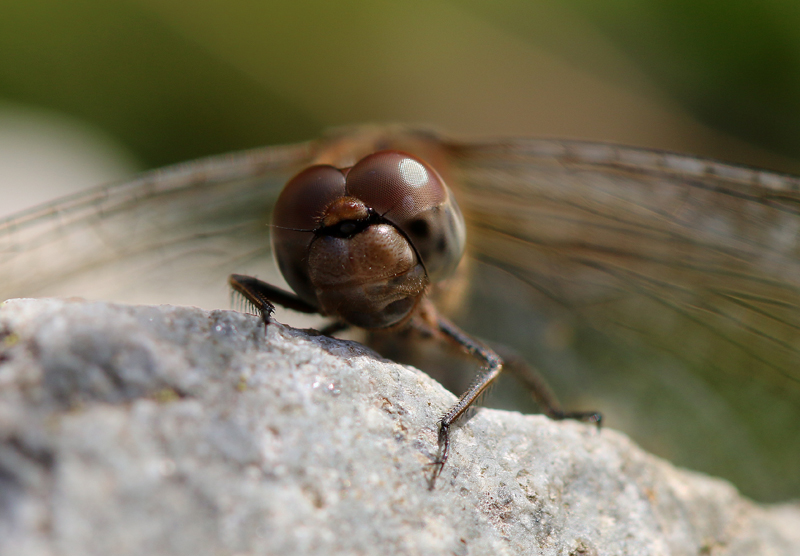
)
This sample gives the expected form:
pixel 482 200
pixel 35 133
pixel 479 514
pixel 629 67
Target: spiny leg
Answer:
pixel 262 296
pixel 334 327
pixel 541 392
pixel 494 366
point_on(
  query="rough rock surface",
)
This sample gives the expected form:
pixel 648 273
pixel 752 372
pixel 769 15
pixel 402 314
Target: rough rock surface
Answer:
pixel 169 430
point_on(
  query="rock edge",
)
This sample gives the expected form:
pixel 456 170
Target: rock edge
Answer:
pixel 170 430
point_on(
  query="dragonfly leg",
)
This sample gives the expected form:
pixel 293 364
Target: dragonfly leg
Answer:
pixel 334 327
pixel 541 392
pixel 494 365
pixel 262 296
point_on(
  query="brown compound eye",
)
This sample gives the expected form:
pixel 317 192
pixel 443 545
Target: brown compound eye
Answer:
pixel 412 196
pixel 305 197
pixel 298 211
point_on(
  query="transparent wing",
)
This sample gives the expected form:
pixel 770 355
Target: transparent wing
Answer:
pixel 168 236
pixel 670 284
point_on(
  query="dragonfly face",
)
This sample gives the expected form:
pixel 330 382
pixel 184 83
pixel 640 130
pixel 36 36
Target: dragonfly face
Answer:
pixel 667 286
pixel 362 243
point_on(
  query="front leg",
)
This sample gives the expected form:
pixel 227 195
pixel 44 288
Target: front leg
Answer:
pixel 262 296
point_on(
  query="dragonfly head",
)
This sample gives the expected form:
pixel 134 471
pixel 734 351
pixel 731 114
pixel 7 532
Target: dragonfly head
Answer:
pixel 363 243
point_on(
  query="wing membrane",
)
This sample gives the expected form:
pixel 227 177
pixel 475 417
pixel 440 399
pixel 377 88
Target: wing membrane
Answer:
pixel 683 271
pixel 171 235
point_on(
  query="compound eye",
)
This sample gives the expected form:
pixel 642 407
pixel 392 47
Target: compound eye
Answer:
pixel 298 211
pixel 305 197
pixel 412 196
pixel 396 185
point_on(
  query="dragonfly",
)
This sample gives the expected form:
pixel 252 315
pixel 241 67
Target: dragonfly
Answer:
pixel 660 289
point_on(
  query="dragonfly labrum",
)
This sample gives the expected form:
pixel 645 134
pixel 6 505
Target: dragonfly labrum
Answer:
pixel 657 288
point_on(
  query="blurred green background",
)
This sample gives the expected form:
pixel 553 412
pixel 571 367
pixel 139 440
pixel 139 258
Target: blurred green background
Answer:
pixel 92 91
pixel 168 81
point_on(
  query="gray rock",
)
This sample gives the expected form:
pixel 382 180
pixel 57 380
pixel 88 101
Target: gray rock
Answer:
pixel 170 430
